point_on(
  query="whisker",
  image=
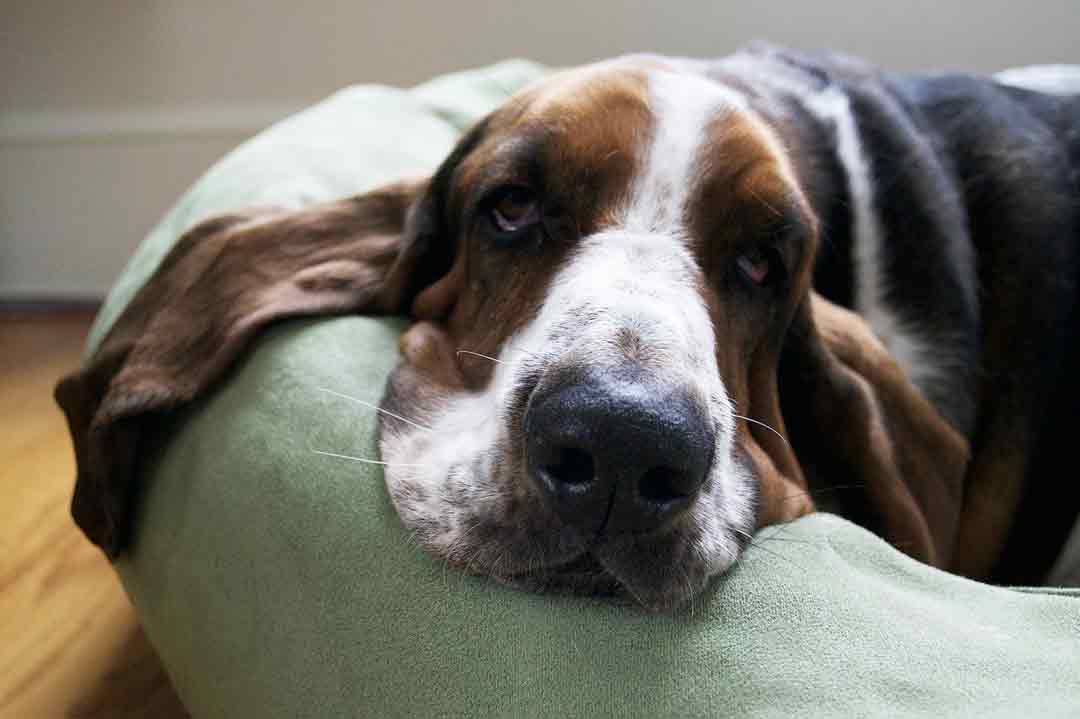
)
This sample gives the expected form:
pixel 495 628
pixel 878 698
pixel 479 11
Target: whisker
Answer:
pixel 758 546
pixel 812 493
pixel 760 199
pixel 375 407
pixel 503 558
pixel 510 347
pixel 451 558
pixel 366 460
pixel 636 597
pixel 779 532
pixel 688 587
pixel 458 542
pixel 790 540
pixel 514 348
pixel 743 533
pixel 477 354
pixel 748 419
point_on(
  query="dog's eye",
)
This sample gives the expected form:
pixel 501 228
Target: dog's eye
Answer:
pixel 514 208
pixel 760 267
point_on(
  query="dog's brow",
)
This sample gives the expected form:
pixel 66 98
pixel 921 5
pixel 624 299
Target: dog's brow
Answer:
pixel 515 159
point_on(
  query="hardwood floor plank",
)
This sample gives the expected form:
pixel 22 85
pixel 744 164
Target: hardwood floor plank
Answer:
pixel 70 644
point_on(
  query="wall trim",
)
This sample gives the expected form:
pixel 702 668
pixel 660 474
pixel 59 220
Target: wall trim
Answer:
pixel 45 305
pixel 128 125
pixel 48 291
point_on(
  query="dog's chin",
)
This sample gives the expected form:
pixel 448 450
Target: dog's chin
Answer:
pixel 582 576
pixel 641 583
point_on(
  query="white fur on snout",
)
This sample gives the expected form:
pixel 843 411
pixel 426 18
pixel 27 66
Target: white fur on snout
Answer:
pixel 436 477
pixel 620 288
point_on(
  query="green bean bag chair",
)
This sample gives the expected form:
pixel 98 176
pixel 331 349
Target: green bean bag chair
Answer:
pixel 275 581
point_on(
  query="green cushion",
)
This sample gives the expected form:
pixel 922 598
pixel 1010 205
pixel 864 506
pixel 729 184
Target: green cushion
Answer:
pixel 275 581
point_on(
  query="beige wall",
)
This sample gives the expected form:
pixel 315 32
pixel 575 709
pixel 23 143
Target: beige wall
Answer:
pixel 109 109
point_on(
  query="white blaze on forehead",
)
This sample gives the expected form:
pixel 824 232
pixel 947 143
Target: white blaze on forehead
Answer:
pixel 683 105
pixel 622 284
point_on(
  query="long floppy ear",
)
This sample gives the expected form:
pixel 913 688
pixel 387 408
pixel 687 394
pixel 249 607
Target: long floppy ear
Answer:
pixel 858 424
pixel 223 281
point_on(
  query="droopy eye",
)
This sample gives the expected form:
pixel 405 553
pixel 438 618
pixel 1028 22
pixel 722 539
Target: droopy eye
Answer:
pixel 514 208
pixel 760 267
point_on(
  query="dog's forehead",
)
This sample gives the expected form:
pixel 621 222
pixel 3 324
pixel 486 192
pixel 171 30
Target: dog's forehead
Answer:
pixel 593 120
pixel 573 92
pixel 646 135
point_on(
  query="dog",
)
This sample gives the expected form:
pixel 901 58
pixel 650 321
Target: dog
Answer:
pixel 659 303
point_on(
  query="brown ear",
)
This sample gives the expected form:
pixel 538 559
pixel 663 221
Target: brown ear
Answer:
pixel 858 425
pixel 782 489
pixel 222 282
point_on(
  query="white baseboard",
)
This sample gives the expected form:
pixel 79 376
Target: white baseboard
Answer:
pixel 20 128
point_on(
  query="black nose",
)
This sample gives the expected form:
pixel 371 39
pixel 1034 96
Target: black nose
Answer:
pixel 619 447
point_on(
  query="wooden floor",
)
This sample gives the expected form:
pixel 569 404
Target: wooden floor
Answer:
pixel 70 645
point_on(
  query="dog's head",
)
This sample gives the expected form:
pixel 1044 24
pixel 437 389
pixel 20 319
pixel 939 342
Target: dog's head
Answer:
pixel 612 262
pixel 610 277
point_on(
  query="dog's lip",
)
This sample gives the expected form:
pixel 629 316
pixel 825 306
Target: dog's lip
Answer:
pixel 583 564
pixel 583 575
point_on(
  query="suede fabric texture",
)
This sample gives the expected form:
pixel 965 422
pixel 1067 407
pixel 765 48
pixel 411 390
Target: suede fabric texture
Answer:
pixel 275 581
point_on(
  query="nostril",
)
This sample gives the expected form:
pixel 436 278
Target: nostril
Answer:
pixel 662 485
pixel 572 466
pixel 617 449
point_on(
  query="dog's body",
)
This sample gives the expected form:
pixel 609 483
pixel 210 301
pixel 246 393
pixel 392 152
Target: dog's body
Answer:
pixel 949 206
pixel 631 348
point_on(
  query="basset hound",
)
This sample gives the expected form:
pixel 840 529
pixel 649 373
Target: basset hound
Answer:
pixel 661 302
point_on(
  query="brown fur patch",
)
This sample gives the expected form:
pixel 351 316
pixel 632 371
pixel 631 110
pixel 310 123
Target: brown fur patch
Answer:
pixel 579 136
pixel 747 197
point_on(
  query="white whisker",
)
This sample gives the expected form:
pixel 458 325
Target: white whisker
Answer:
pixel 375 407
pixel 512 348
pixel 477 354
pixel 748 419
pixel 366 460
